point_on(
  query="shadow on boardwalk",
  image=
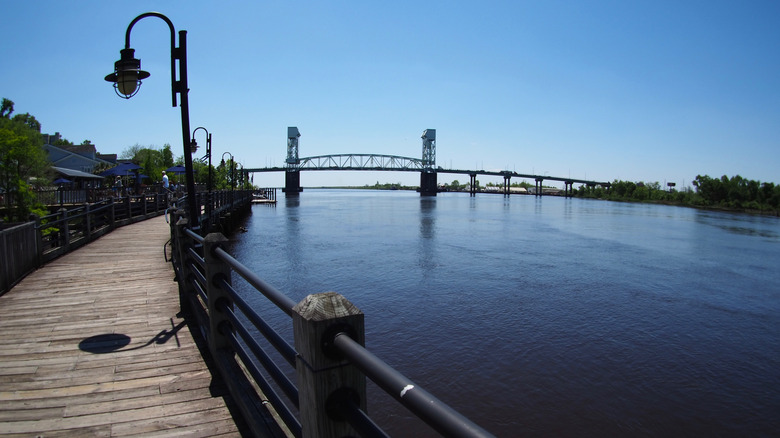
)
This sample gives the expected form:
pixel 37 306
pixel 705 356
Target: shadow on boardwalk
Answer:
pixel 92 345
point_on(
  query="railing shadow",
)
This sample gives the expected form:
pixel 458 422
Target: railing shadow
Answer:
pixel 115 342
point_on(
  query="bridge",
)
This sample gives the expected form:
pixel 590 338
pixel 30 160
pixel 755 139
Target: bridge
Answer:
pixel 379 162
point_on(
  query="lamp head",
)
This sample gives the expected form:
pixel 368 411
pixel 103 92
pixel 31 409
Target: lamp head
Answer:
pixel 193 146
pixel 127 74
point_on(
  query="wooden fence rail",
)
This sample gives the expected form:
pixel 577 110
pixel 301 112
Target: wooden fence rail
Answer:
pixel 29 246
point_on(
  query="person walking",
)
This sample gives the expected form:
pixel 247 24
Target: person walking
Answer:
pixel 118 186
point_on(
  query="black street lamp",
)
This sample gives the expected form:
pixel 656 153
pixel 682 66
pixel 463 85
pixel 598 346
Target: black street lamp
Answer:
pixel 232 179
pixel 194 146
pixel 127 78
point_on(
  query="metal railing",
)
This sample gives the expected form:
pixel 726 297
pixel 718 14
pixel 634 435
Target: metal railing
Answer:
pixel 26 247
pixel 29 246
pixel 330 362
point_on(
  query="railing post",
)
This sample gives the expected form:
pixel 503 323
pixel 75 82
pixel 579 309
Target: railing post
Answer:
pixel 326 379
pixel 128 209
pixel 182 275
pixel 112 214
pixel 65 229
pixel 38 241
pixel 88 222
pixel 216 268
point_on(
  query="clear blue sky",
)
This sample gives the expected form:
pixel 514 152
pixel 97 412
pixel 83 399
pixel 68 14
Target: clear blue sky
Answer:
pixel 642 91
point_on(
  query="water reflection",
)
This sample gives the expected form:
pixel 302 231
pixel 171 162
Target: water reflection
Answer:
pixel 427 250
pixel 742 224
pixel 293 243
pixel 427 220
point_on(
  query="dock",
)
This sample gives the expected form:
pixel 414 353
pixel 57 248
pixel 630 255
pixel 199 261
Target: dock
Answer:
pixel 92 344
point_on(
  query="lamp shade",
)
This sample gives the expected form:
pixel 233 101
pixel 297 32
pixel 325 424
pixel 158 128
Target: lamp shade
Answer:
pixel 127 74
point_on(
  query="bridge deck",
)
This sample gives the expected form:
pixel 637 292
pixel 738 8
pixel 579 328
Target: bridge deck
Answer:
pixel 62 371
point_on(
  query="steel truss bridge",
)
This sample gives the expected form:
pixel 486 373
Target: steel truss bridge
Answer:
pixel 373 162
pixel 378 162
pixel 349 162
pixel 360 162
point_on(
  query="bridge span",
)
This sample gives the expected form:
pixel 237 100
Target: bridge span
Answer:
pixel 379 162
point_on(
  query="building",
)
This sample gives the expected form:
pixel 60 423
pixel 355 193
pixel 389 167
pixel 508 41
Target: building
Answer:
pixel 82 157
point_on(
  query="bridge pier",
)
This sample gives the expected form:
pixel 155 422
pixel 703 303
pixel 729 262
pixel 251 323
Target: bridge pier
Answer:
pixel 473 184
pixel 539 186
pixel 429 185
pixel 568 189
pixel 506 184
pixel 292 183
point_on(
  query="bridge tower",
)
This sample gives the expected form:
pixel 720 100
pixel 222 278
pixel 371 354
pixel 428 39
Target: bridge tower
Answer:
pixel 292 177
pixel 428 180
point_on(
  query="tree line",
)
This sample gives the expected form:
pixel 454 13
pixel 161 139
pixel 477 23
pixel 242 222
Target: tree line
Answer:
pixel 25 165
pixel 735 193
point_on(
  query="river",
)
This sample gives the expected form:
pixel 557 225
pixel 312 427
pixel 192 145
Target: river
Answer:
pixel 544 316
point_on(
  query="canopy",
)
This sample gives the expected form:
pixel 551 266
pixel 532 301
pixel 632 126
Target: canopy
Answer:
pixel 176 170
pixel 62 181
pixel 121 170
pixel 74 174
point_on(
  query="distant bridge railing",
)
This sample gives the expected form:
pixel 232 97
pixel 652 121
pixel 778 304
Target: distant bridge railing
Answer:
pixel 359 162
pixel 328 354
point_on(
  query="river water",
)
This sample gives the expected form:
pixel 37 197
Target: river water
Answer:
pixel 544 316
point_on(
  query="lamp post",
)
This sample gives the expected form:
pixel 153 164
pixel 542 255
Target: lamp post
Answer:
pixel 194 147
pixel 127 78
pixel 232 179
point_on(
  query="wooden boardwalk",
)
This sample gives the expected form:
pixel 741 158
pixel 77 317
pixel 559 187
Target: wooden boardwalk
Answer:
pixel 91 345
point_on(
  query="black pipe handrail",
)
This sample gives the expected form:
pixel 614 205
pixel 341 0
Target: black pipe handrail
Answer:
pixel 281 300
pixel 276 373
pixel 283 347
pixel 237 322
pixel 427 407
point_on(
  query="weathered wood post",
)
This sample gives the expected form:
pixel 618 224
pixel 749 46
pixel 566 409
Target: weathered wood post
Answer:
pixel 64 229
pixel 38 242
pixel 324 377
pixel 128 210
pixel 180 260
pixel 216 268
pixel 112 214
pixel 88 222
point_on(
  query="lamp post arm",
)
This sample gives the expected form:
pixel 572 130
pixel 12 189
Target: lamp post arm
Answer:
pixel 173 47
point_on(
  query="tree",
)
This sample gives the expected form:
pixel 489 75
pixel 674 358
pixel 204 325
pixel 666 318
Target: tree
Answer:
pixel 7 108
pixel 150 158
pixel 23 161
pixel 167 155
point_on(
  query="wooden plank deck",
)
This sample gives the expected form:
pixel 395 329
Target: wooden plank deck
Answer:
pixel 65 369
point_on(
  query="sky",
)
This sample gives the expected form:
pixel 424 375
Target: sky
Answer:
pixel 654 91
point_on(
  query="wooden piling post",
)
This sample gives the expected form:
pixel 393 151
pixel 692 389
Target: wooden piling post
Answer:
pixel 215 268
pixel 64 229
pixel 180 260
pixel 323 375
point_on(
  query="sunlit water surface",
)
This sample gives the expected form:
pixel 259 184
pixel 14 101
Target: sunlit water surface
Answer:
pixel 544 317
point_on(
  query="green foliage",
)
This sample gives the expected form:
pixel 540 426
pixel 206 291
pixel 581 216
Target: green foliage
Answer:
pixel 152 159
pixel 167 156
pixel 23 161
pixel 735 193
